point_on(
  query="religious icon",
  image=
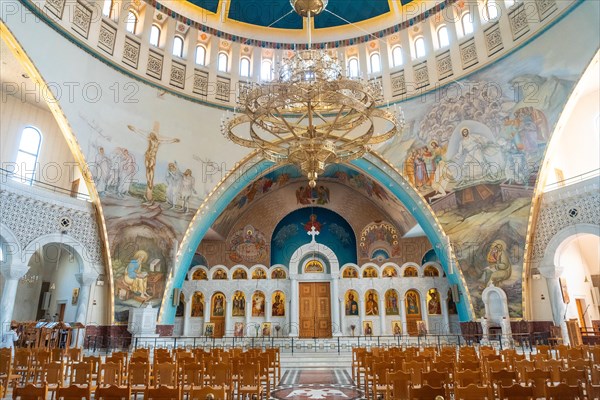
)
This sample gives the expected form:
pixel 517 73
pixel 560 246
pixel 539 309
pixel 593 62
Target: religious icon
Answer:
pixel 198 305
pixel 179 311
pixel 278 308
pixel 350 273
pixel 278 273
pixel 199 275
pixel 351 304
pixel 218 305
pixel 434 306
pixel 312 223
pixel 370 272
pixel 371 303
pixel 259 273
pixel 75 296
pixel 431 271
pixel 209 329
pixel 391 302
pixel 314 266
pixel 368 328
pixel 451 304
pixel 412 303
pixel 258 304
pixel 499 267
pixel 239 274
pixel 219 274
pixel 410 272
pixel 238 329
pixel 390 272
pixel 563 290
pixel 238 305
pixel 397 328
pixel 421 328
pixel 266 328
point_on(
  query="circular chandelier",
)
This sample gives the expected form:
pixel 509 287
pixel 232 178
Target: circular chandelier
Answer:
pixel 311 115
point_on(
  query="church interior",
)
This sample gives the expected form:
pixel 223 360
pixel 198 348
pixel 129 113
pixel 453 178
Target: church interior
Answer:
pixel 300 199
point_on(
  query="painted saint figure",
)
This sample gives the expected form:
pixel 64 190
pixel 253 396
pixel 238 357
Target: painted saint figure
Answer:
pixel 412 304
pixel 135 278
pixel 499 267
pixel 371 306
pixel 154 141
pixel 434 306
pixel 351 305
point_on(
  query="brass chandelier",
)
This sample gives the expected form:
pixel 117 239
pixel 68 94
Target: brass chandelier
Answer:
pixel 311 115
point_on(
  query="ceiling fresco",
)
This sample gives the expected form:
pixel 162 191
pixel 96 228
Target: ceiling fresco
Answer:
pixel 335 188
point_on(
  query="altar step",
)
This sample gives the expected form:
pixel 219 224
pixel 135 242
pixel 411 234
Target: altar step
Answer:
pixel 315 360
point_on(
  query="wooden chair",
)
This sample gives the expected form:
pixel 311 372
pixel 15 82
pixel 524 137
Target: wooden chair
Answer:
pixel 192 377
pixel 205 393
pixel 467 377
pixel 30 392
pixel 417 369
pixel 39 360
pixel 139 377
pixel 21 364
pixel 573 377
pixel 425 392
pixel 162 393
pixel 220 376
pixel 554 366
pixel 164 375
pixel 398 383
pixel 435 378
pixel 468 365
pixel 517 392
pixel 522 366
pixel 473 392
pixel 503 377
pixel 378 378
pixel 539 378
pixel 73 392
pixel 110 374
pixel 54 377
pixel 562 391
pixel 578 363
pixel 112 392
pixel 249 382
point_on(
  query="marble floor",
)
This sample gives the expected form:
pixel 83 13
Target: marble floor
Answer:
pixel 314 384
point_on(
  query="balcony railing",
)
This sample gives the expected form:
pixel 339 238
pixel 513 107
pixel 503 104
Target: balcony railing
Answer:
pixel 6 176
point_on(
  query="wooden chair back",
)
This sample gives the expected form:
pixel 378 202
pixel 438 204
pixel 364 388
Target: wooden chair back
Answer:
pixel 162 393
pixel 562 391
pixel 205 393
pixel 516 392
pixel 73 392
pixel 473 392
pixel 112 392
pixel 426 392
pixel 467 377
pixel 30 392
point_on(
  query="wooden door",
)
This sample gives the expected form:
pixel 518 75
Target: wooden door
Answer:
pixel 61 312
pixel 413 312
pixel 217 314
pixel 315 310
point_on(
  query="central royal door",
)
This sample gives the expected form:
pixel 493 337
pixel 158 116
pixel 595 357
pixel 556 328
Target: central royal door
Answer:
pixel 315 310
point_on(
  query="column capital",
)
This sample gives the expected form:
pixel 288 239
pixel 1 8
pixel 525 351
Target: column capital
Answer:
pixel 14 271
pixel 86 278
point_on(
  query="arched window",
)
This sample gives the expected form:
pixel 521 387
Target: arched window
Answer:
pixel 222 62
pixel 178 46
pixel 419 47
pixel 27 155
pixel 491 10
pixel 154 35
pixel 131 23
pixel 353 67
pixel 266 73
pixel 375 63
pixel 397 56
pixel 107 8
pixel 200 55
pixel 467 23
pixel 442 34
pixel 245 67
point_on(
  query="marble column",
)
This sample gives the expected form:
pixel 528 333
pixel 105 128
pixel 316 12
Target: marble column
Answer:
pixel 402 309
pixel 445 314
pixel 187 315
pixel 294 312
pixel 207 311
pixel 342 316
pixel 335 309
pixel 362 311
pixel 268 309
pixel 558 306
pixel 424 313
pixel 228 317
pixel 12 274
pixel 247 315
pixel 382 314
pixel 85 280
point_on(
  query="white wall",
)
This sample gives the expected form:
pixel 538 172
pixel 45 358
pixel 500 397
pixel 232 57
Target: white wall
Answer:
pixel 15 115
pixel 541 309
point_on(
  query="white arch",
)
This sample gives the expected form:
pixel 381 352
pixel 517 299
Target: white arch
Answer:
pixel 411 264
pixel 390 264
pixel 548 267
pixel 485 298
pixel 194 269
pixel 242 267
pixel 62 239
pixel 368 265
pixel 435 265
pixel 11 248
pixel 215 268
pixel 259 266
pixel 314 248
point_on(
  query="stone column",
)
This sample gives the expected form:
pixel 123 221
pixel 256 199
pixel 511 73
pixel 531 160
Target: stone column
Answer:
pixel 342 317
pixel 12 274
pixel 335 308
pixel 207 311
pixel 362 311
pixel 85 280
pixel 484 328
pixel 187 315
pixel 268 309
pixel 558 306
pixel 402 309
pixel 444 301
pixel 294 312
pixel 382 314
pixel 424 313
pixel 248 314
pixel 228 316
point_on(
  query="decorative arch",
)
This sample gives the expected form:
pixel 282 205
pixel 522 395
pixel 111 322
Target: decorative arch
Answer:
pixel 198 273
pixel 372 164
pixel 60 239
pixel 314 249
pixel 11 247
pixel 432 269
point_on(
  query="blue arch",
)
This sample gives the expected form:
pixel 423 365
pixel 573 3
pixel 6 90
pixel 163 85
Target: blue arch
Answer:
pixel 381 173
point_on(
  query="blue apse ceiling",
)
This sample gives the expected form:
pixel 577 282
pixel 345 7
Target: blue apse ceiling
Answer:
pixel 276 13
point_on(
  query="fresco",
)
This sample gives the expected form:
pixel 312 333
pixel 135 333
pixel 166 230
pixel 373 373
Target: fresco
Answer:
pixel 248 245
pixel 473 149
